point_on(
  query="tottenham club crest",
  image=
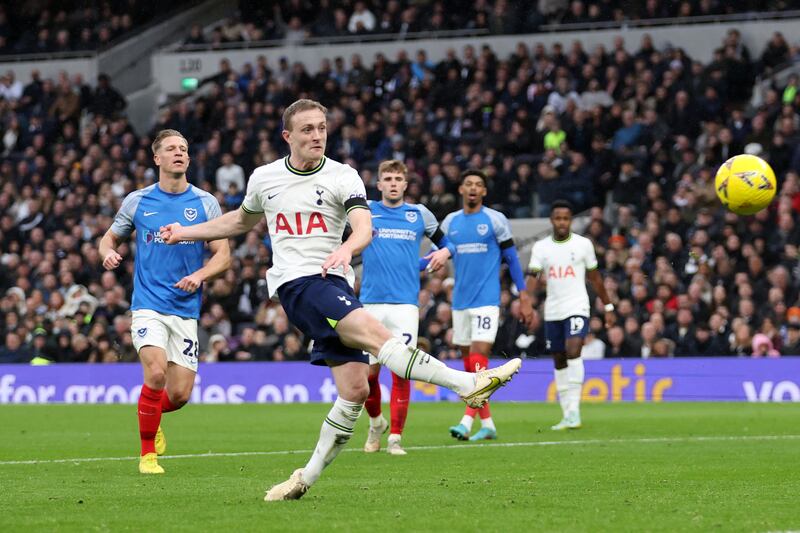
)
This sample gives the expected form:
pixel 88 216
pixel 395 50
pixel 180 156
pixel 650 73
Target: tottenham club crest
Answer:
pixel 190 213
pixel 483 229
pixel 141 332
pixel 411 216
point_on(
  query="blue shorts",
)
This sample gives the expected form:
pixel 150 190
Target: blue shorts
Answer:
pixel 315 305
pixel 557 332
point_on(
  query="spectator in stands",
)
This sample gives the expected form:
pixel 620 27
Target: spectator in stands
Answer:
pixel 107 102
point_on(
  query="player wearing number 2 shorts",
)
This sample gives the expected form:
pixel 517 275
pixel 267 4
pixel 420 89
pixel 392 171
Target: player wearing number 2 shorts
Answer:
pixel 166 286
pixel 482 238
pixel 562 261
pixel 390 289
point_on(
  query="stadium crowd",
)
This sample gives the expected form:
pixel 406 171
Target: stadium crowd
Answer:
pixel 47 26
pixel 296 20
pixel 631 135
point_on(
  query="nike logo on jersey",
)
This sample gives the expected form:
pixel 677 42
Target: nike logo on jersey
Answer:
pixel 271 196
pixel 148 213
pixel 377 216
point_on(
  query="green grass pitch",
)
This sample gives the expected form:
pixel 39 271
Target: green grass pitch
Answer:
pixel 633 467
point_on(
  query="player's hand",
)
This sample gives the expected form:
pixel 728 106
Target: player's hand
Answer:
pixel 526 309
pixel 438 259
pixel 611 319
pixel 171 233
pixel 340 257
pixel 112 260
pixel 190 283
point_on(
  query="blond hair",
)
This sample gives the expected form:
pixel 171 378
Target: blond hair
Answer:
pixel 163 134
pixel 393 165
pixel 304 104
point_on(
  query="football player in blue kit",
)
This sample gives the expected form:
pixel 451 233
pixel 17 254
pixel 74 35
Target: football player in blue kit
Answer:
pixel 167 286
pixel 390 288
pixel 482 239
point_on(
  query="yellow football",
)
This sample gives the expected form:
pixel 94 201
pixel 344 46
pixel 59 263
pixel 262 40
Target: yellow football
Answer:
pixel 745 184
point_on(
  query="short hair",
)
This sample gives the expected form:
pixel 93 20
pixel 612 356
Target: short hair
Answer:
pixel 393 165
pixel 558 204
pixel 475 172
pixel 304 104
pixel 163 134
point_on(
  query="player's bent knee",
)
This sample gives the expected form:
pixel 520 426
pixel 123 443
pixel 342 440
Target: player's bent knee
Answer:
pixel 180 399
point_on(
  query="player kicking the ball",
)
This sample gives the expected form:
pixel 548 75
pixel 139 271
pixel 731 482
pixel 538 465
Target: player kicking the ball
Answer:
pixel 563 260
pixel 307 199
pixel 166 286
pixel 482 238
pixel 390 289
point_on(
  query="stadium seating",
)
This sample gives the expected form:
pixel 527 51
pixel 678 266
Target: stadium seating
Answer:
pixel 631 134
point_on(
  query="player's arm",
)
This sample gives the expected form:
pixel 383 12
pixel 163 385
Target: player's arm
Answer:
pixel 219 262
pixel 600 289
pixel 228 225
pixel 435 260
pixel 438 258
pixel 108 250
pixel 360 219
pixel 509 254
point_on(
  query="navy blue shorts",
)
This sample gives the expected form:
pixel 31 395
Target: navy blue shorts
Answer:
pixel 557 332
pixel 315 305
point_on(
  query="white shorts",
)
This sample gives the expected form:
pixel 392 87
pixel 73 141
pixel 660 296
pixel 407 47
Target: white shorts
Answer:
pixel 402 320
pixel 478 324
pixel 177 336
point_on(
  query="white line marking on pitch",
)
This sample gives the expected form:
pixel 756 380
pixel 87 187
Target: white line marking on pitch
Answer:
pixel 647 440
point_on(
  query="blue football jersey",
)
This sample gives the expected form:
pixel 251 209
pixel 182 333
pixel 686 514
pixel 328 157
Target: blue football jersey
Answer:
pixel 159 266
pixel 477 239
pixel 391 261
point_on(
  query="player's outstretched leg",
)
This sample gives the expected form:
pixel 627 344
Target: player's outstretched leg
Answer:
pixel 377 423
pixel 401 392
pixel 474 389
pixel 361 330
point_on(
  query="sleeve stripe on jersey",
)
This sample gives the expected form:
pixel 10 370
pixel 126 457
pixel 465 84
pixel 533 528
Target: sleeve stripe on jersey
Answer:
pixel 251 212
pixel 356 202
pixel 535 270
pixel 588 269
pixel 507 244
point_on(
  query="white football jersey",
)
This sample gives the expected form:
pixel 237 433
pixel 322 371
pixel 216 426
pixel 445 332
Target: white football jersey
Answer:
pixel 563 266
pixel 306 215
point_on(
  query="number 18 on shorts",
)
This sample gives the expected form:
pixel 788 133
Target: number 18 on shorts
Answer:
pixel 556 332
pixel 475 324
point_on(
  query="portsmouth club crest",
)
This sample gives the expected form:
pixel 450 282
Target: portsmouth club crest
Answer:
pixel 411 216
pixel 483 229
pixel 190 213
pixel 142 332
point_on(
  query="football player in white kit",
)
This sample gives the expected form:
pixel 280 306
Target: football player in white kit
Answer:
pixel 562 261
pixel 307 198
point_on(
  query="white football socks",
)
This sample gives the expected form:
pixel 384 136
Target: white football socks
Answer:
pixel 562 386
pixel 466 421
pixel 575 373
pixel 488 423
pixel 413 363
pixel 336 431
